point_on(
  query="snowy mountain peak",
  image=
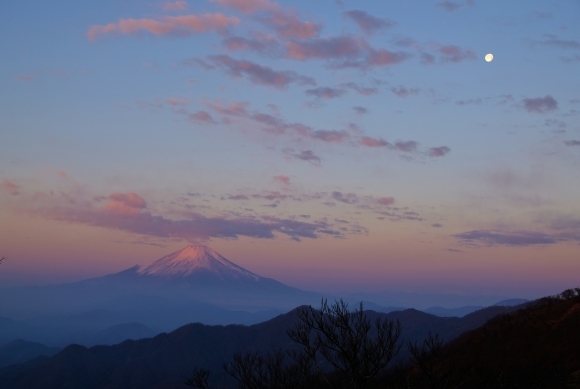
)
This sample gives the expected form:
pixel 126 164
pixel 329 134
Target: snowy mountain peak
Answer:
pixel 196 259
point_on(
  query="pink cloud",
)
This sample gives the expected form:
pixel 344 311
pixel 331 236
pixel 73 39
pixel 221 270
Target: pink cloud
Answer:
pixel 373 142
pixel 179 25
pixel 288 25
pixel 286 22
pixel 325 48
pixel 62 174
pixel 175 6
pixel 275 125
pixel 438 151
pixel 343 52
pixel 176 101
pixel 540 104
pixel 332 136
pixel 248 6
pixel 24 78
pixel 201 116
pixel 385 200
pixel 11 187
pixel 126 212
pixel 235 108
pixel 129 204
pixel 368 23
pixel 455 54
pixel 283 179
pixel 258 74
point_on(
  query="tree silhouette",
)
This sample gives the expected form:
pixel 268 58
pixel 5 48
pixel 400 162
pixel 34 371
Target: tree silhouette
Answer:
pixel 340 348
pixel 344 340
pixel 198 379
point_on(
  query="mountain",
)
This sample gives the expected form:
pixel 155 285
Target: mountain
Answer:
pixel 121 332
pixel 511 302
pixel 194 284
pixel 166 360
pixel 462 311
pixel 453 312
pixel 535 346
pixel 19 351
pixel 196 261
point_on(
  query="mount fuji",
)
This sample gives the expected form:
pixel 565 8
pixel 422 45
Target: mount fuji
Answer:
pixel 196 260
pixel 200 273
pixel 194 284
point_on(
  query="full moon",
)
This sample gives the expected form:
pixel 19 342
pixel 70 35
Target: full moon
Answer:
pixel 489 57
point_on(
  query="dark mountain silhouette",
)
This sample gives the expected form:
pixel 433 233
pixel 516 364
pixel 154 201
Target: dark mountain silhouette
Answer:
pixel 121 332
pixel 511 302
pixel 453 312
pixel 19 351
pixel 167 359
pixel 535 346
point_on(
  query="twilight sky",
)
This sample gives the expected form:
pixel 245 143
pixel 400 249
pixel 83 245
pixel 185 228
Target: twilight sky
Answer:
pixel 332 145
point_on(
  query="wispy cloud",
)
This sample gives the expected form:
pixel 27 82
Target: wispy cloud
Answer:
pixel 257 74
pixel 11 187
pixel 553 41
pixel 360 110
pixel 175 6
pixel 176 101
pixel 450 6
pixel 344 52
pixel 259 42
pixel 177 25
pixel 512 238
pixel 361 90
pixel 282 179
pixel 368 141
pixel 572 142
pixel 128 212
pixel 201 116
pixel 348 198
pixel 368 23
pixel 439 151
pixel 325 93
pixel 455 54
pixel 248 6
pixel 353 136
pixel 287 24
pixel 285 21
pixel 540 104
pixel 404 92
pixel 304 155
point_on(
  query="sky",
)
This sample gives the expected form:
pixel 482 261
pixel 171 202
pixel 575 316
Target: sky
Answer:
pixel 331 145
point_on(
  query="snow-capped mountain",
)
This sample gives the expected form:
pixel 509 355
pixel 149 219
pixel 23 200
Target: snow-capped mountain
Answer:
pixel 197 259
pixel 193 284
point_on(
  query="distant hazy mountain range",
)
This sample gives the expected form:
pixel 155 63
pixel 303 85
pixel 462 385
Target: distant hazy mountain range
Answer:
pixel 166 360
pixel 195 284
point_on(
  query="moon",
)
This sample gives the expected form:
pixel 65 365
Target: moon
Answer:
pixel 488 57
